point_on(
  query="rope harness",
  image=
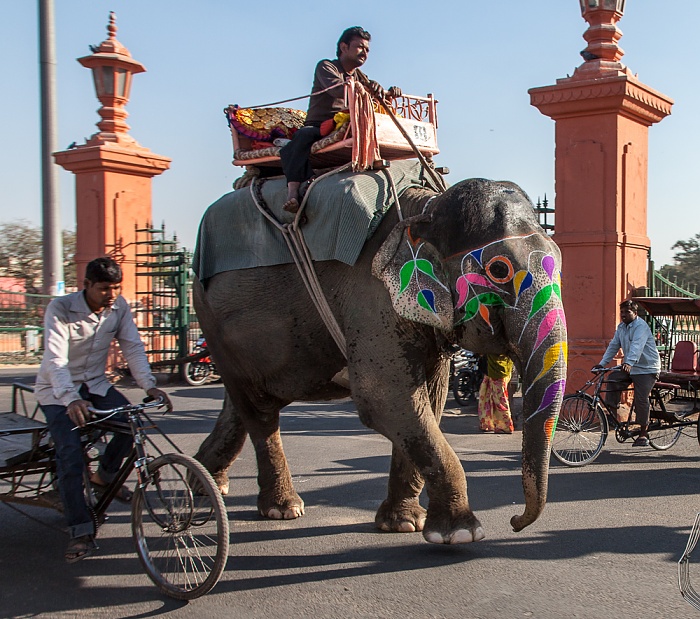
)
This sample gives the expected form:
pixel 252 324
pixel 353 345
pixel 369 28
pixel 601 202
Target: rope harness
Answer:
pixel 313 94
pixel 294 238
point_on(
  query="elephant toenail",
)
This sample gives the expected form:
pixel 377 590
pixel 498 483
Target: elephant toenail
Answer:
pixel 434 537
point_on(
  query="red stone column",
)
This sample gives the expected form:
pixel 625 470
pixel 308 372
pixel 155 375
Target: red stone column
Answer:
pixel 602 116
pixel 112 171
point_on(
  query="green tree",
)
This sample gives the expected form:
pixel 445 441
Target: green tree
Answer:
pixel 21 254
pixel 686 263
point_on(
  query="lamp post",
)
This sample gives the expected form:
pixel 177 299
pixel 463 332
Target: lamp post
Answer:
pixel 112 69
pixel 52 253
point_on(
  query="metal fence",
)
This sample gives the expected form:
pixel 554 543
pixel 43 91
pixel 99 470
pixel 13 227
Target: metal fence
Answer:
pixel 669 330
pixel 21 326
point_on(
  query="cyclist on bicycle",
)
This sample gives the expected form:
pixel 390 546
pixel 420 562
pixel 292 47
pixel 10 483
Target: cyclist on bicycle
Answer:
pixel 78 331
pixel 640 366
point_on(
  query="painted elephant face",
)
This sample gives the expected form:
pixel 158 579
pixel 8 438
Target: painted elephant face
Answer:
pixel 517 280
pixel 514 280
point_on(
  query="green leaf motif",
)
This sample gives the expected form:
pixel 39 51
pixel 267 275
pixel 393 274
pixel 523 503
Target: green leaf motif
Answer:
pixel 540 300
pixel 406 273
pixel 426 267
pixel 471 308
pixel 557 289
pixel 490 299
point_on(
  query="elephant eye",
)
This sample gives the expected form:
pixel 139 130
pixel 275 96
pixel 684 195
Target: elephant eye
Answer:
pixel 500 269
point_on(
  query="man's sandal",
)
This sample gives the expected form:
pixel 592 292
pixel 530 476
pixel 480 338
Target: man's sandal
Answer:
pixel 80 548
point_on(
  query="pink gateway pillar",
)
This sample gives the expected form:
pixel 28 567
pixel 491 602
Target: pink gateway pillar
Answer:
pixel 603 114
pixel 112 171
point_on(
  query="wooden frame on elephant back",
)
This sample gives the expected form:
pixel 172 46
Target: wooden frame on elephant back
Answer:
pixel 417 115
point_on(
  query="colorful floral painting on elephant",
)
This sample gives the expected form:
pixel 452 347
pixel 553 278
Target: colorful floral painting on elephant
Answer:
pixel 493 277
pixel 469 266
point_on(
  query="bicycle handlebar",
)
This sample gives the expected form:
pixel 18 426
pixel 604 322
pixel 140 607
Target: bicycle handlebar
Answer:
pixel 126 408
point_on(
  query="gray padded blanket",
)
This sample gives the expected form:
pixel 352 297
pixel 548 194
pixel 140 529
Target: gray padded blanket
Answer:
pixel 343 211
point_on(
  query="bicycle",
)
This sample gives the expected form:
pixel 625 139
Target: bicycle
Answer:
pixel 585 420
pixel 178 519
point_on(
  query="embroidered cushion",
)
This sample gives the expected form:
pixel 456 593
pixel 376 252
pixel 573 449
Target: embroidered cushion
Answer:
pixel 265 123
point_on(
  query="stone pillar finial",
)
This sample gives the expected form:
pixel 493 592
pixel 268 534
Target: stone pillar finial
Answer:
pixel 602 54
pixel 112 26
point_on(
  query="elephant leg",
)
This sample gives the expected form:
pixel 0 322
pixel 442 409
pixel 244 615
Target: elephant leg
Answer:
pixel 401 511
pixel 219 450
pixel 410 423
pixel 240 418
pixel 277 498
pixel 450 520
pixel 428 456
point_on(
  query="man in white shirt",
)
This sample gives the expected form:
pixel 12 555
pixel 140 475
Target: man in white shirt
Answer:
pixel 78 331
pixel 640 366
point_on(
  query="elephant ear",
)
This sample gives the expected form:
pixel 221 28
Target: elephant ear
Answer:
pixel 412 271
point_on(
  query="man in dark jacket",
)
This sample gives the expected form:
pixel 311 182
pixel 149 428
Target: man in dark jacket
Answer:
pixel 327 98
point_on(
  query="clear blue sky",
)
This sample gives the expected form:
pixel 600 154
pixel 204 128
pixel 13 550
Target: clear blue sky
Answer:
pixel 479 57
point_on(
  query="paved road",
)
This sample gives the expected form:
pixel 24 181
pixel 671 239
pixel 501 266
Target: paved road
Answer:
pixel 605 548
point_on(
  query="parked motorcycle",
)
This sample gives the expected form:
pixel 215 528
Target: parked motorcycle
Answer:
pixel 203 370
pixel 466 376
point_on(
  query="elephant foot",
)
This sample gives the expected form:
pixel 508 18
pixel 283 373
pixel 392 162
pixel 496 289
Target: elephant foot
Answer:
pixel 286 509
pixel 407 517
pixel 221 481
pixel 454 531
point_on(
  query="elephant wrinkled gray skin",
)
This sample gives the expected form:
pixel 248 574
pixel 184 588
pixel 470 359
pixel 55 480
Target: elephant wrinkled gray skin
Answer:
pixel 471 267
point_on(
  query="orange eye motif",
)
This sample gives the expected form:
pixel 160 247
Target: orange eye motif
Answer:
pixel 500 269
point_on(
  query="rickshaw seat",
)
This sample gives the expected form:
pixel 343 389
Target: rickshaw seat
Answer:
pixel 664 385
pixel 685 357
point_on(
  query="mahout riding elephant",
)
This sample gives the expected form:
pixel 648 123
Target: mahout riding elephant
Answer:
pixel 470 266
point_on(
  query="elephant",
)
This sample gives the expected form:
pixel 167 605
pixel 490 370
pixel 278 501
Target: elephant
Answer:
pixel 469 267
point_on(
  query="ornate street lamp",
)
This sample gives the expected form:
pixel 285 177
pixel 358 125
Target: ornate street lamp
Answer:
pixel 602 54
pixel 112 68
pixel 608 5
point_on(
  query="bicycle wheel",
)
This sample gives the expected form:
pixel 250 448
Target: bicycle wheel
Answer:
pixel 180 527
pixel 581 432
pixel 662 436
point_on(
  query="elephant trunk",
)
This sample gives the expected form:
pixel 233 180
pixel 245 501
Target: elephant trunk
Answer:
pixel 543 391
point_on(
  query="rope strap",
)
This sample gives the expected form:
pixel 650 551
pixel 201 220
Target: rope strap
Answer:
pixel 294 238
pixel 313 94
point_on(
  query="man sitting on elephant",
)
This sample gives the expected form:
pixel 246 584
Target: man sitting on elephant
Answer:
pixel 327 98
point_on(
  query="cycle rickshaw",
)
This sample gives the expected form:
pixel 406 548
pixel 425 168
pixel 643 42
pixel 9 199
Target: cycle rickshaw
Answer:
pixel 585 422
pixel 178 519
